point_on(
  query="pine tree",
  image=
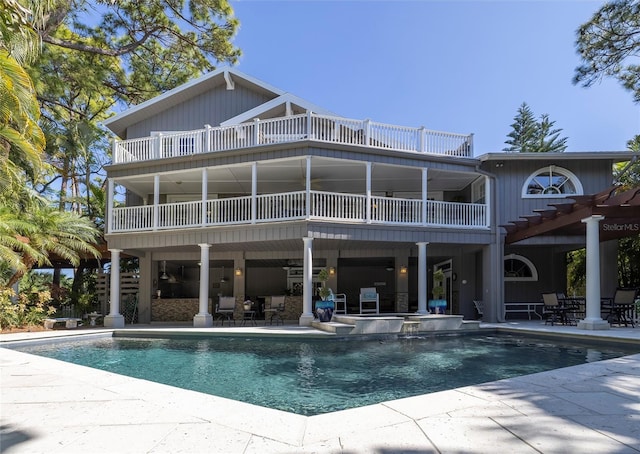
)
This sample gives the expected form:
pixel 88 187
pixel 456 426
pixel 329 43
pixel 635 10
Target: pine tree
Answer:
pixel 547 138
pixel 531 136
pixel 524 131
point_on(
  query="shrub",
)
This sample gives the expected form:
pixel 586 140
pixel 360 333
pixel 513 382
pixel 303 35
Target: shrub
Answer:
pixel 29 309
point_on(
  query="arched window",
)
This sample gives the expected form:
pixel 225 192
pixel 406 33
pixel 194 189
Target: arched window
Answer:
pixel 552 181
pixel 519 268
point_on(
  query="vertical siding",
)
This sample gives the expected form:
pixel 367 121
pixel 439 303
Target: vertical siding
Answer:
pixel 212 107
pixel 595 175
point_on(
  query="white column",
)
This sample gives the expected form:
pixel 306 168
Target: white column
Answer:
pixel 422 277
pixel 115 319
pixel 425 198
pixel 156 201
pixel 307 286
pixel 110 184
pixel 593 320
pixel 205 196
pixel 203 319
pixel 368 192
pixel 307 193
pixel 254 192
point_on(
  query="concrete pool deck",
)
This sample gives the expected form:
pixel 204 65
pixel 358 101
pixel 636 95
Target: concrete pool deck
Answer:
pixel 49 406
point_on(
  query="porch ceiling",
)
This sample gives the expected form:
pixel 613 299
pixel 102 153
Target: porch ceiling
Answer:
pixel 334 175
pixel 620 208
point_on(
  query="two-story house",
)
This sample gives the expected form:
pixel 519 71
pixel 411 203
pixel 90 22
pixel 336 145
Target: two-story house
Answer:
pixel 228 186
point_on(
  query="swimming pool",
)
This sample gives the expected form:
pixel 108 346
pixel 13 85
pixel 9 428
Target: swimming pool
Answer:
pixel 310 377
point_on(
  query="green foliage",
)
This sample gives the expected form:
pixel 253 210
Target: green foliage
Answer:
pixel 576 272
pixel 629 261
pixel 30 308
pixel 324 291
pixel 609 46
pixel 438 289
pixel 531 136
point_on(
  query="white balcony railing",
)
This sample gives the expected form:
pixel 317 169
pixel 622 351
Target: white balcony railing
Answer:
pixel 323 206
pixel 309 126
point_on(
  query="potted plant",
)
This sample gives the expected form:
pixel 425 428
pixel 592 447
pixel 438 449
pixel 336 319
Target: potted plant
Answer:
pixel 438 303
pixel 324 291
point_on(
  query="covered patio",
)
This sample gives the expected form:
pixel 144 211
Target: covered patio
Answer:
pixel 611 214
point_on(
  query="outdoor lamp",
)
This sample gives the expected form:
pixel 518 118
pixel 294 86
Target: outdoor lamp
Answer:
pixel 403 269
pixel 238 271
pixel 332 270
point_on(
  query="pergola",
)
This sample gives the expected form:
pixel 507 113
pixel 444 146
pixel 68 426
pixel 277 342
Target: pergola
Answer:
pixel 610 214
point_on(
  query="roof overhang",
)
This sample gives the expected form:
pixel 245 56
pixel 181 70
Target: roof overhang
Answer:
pixel 221 76
pixel 619 207
pixel 615 156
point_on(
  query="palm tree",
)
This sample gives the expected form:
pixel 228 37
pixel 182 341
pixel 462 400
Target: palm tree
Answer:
pixel 21 139
pixel 52 232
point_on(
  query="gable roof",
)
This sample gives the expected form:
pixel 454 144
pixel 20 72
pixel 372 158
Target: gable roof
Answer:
pixel 274 104
pixel 225 75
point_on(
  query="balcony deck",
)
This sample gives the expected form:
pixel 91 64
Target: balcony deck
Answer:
pixel 294 128
pixel 292 206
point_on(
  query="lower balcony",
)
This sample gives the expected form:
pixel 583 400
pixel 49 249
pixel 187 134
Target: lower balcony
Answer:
pixel 299 205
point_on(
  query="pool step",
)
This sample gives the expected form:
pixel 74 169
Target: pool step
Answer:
pixel 333 327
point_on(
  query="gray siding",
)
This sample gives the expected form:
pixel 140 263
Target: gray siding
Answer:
pixel 211 107
pixel 595 175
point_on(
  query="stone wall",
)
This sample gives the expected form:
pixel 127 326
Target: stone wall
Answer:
pixel 175 309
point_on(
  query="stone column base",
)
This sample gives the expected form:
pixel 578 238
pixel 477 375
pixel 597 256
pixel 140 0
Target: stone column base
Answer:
pixel 593 324
pixel 203 321
pixel 305 320
pixel 114 321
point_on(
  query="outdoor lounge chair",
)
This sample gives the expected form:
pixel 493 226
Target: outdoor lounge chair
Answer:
pixel 274 309
pixel 225 309
pixel 369 300
pixel 619 309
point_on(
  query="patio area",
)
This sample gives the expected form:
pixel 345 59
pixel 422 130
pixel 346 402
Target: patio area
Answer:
pixel 50 406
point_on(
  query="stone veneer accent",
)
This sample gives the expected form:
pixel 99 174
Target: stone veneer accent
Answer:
pixel 175 309
pixel 184 309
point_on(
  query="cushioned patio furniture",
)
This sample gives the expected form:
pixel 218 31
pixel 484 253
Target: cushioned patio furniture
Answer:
pixel 225 309
pixel 369 301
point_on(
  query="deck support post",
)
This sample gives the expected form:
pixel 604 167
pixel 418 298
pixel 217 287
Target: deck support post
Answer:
pixel 307 286
pixel 203 319
pixel 422 277
pixel 115 319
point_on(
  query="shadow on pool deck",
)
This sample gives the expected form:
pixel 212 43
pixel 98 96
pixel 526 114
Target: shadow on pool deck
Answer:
pixel 50 406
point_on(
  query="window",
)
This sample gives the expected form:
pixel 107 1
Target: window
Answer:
pixel 552 181
pixel 518 268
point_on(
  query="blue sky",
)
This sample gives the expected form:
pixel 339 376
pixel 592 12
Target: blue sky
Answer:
pixel 456 66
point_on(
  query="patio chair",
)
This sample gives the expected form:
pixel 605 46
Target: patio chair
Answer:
pixel 619 309
pixel 552 310
pixel 369 300
pixel 340 300
pixel 225 309
pixel 274 309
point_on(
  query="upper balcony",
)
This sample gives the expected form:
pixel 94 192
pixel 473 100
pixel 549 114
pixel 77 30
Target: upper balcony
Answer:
pixel 294 128
pixel 295 206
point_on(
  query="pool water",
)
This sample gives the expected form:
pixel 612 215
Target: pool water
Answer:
pixel 310 377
